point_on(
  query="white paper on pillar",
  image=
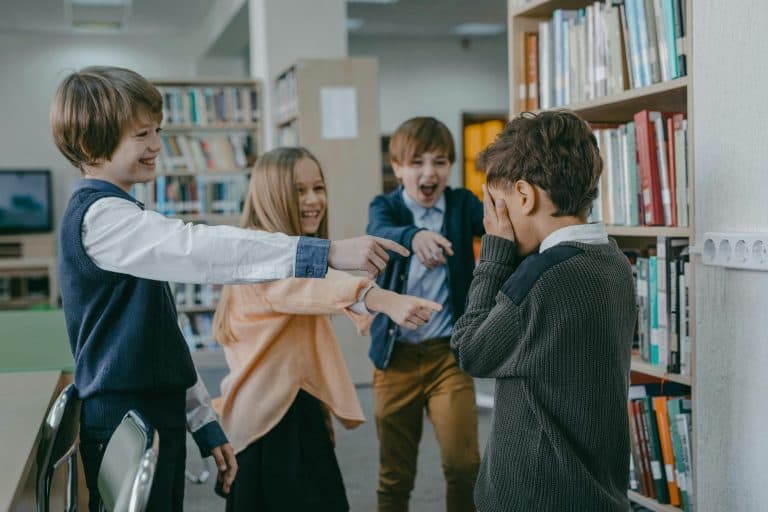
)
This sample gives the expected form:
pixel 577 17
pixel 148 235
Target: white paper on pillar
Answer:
pixel 338 111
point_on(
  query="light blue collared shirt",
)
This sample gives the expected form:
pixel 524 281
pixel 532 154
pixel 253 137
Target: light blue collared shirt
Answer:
pixel 425 283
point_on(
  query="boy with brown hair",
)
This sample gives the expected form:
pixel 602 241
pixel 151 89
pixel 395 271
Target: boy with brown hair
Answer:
pixel 415 369
pixel 114 259
pixel 554 329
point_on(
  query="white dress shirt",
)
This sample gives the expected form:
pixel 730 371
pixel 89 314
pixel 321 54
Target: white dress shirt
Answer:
pixel 593 233
pixel 121 237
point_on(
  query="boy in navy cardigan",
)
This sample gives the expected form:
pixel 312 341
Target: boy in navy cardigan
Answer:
pixel 415 369
pixel 114 259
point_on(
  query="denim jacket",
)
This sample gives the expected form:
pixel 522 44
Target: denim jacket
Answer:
pixel 389 217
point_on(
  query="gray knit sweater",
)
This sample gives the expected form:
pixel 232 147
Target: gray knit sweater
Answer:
pixel 556 334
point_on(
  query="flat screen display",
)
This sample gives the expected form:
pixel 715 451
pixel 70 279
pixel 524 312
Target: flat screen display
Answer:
pixel 25 201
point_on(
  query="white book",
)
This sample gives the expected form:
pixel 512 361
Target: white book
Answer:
pixel 601 55
pixel 681 173
pixel 661 41
pixel 661 157
pixel 653 46
pixel 618 213
pixel 590 74
pixel 545 65
pixel 662 301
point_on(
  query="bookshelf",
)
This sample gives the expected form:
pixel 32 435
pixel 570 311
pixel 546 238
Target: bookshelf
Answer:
pixel 331 107
pixel 28 271
pixel 615 104
pixel 212 135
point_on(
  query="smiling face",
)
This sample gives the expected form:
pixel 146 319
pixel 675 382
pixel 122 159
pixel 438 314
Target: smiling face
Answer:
pixel 310 189
pixel 424 177
pixel 133 160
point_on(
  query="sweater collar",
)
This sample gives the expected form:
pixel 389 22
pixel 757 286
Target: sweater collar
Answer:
pixel 104 186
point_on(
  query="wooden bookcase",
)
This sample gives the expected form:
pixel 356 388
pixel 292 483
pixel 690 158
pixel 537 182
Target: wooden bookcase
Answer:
pixel 28 270
pixel 331 107
pixel 673 95
pixel 212 135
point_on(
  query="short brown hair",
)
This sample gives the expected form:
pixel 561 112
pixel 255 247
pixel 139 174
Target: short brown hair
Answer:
pixel 554 150
pixel 420 135
pixel 92 108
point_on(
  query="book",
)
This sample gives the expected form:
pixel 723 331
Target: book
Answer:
pixel 667 455
pixel 532 70
pixel 648 165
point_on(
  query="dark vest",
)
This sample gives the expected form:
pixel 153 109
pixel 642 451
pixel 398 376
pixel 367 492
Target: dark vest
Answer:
pixel 123 331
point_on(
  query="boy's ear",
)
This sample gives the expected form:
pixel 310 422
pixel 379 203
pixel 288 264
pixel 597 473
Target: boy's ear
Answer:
pixel 398 170
pixel 526 195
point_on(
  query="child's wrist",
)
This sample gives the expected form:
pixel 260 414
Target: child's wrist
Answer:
pixel 499 250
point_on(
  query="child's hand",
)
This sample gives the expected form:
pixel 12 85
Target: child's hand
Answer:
pixel 405 310
pixel 496 217
pixel 368 253
pixel 430 246
pixel 226 463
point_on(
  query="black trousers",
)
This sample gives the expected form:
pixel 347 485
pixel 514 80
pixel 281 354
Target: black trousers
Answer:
pixel 167 493
pixel 292 468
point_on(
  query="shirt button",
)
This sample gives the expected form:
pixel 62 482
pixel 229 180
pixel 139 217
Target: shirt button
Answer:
pixel 391 332
pixel 402 278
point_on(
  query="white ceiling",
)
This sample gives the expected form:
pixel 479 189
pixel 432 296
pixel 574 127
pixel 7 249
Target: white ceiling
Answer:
pixel 145 15
pixel 405 18
pixel 424 18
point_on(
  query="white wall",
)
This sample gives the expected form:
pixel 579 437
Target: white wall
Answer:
pixel 32 66
pixel 436 77
pixel 731 181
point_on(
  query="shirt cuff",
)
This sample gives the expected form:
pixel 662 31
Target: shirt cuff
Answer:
pixel 359 307
pixel 208 437
pixel 311 257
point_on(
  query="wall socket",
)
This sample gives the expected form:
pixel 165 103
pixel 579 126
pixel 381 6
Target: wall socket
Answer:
pixel 735 250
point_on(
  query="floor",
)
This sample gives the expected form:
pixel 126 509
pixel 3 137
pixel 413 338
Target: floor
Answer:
pixel 357 451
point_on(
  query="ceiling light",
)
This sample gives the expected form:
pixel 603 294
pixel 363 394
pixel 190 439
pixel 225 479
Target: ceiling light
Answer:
pixel 97 14
pixel 354 24
pixel 479 29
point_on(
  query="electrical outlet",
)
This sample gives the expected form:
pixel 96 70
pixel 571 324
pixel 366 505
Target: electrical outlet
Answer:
pixel 736 250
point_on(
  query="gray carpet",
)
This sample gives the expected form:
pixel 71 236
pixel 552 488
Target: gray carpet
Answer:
pixel 357 451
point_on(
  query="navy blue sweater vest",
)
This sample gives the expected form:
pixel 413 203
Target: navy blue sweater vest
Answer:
pixel 123 331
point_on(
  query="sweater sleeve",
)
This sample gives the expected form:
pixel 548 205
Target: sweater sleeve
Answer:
pixel 334 294
pixel 488 333
pixel 381 223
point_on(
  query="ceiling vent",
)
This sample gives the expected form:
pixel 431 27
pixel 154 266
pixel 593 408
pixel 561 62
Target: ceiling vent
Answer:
pixel 97 14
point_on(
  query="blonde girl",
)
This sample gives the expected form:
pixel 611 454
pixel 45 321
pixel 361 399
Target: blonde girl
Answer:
pixel 287 373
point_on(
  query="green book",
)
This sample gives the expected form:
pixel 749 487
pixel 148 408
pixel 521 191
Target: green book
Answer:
pixel 676 407
pixel 654 450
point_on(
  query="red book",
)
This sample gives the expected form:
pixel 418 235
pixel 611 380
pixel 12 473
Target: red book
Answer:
pixel 642 434
pixel 650 187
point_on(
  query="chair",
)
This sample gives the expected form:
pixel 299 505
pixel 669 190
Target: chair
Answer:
pixel 58 444
pixel 128 467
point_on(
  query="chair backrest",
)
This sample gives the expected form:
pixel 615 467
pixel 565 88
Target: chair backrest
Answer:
pixel 128 467
pixel 58 441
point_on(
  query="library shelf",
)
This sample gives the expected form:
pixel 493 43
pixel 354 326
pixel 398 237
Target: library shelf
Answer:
pixel 543 8
pixel 640 366
pixel 197 308
pixel 649 231
pixel 207 173
pixel 227 127
pixel 651 503
pixel 670 96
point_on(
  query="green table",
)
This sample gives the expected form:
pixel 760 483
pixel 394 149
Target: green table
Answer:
pixel 34 341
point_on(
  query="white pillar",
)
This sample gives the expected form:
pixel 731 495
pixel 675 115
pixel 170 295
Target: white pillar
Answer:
pixel 284 31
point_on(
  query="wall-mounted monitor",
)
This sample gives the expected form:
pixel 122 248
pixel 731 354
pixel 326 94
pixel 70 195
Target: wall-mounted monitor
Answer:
pixel 25 201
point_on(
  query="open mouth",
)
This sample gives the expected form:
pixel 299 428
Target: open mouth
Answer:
pixel 310 214
pixel 148 162
pixel 428 190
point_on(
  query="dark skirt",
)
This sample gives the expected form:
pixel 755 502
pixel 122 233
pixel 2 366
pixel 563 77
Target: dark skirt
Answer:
pixel 292 468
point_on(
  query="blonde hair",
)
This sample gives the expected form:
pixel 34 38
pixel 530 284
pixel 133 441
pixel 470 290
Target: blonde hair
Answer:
pixel 272 204
pixel 94 106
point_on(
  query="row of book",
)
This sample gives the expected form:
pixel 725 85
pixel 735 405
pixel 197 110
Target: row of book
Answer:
pixel 601 50
pixel 645 173
pixel 196 153
pixel 180 195
pixel 663 320
pixel 197 329
pixel 477 136
pixel 188 294
pixel 661 464
pixel 206 106
pixel 286 94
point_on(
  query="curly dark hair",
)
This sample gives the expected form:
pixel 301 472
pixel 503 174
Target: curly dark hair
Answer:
pixel 555 150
